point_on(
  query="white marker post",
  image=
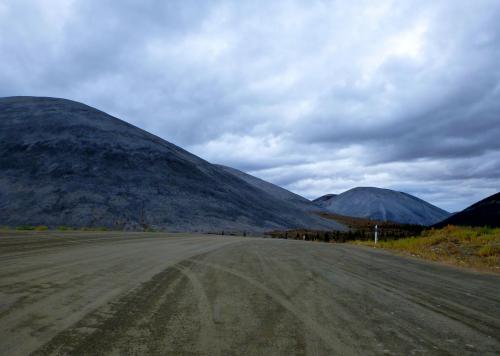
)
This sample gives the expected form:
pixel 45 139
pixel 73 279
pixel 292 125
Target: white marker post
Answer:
pixel 376 234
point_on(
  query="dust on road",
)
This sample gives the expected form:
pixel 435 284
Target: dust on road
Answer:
pixel 160 294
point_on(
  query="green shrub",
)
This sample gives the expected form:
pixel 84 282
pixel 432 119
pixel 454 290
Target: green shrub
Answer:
pixel 41 228
pixel 64 228
pixel 489 250
pixel 485 230
pixel 25 227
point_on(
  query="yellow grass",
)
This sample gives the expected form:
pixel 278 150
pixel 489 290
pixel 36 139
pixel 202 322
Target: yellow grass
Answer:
pixel 477 248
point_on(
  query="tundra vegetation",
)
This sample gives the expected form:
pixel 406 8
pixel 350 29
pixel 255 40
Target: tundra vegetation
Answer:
pixel 473 247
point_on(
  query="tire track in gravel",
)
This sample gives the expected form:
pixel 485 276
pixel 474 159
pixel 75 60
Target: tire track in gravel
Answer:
pixel 311 284
pixel 208 338
pixel 100 332
pixel 328 338
pixel 390 284
pixel 214 295
pixel 48 293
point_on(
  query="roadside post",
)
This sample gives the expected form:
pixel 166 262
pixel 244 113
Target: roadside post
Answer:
pixel 376 234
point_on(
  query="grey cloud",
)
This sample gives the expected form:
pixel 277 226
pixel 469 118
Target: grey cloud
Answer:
pixel 316 97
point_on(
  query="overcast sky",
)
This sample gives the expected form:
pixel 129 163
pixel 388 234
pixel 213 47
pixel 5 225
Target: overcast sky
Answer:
pixel 316 96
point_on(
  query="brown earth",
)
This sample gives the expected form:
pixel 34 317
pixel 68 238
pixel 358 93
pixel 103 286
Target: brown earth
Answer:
pixel 88 293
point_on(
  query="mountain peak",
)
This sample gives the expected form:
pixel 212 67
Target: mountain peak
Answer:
pixel 383 204
pixel 66 163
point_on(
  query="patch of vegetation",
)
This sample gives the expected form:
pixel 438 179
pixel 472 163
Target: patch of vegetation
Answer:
pixel 93 228
pixel 489 250
pixel 29 228
pixel 64 228
pixel 477 248
pixel 25 227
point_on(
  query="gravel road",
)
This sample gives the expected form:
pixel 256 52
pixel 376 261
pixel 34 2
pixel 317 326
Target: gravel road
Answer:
pixel 87 293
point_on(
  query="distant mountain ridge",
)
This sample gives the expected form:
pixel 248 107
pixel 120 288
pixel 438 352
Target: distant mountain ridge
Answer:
pixel 485 212
pixel 383 204
pixel 324 198
pixel 66 163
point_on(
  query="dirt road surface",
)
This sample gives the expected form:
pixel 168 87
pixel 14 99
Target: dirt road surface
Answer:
pixel 84 293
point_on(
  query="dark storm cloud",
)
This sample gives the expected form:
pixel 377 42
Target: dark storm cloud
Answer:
pixel 317 97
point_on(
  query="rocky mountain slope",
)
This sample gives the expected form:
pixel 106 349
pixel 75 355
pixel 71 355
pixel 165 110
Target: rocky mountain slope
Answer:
pixel 383 204
pixel 65 163
pixel 483 213
pixel 273 190
pixel 322 200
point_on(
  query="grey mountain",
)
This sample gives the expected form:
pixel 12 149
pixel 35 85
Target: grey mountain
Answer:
pixel 273 190
pixel 384 204
pixel 324 198
pixel 65 163
pixel 485 212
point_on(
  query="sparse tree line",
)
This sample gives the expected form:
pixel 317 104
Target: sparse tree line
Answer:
pixel 393 233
